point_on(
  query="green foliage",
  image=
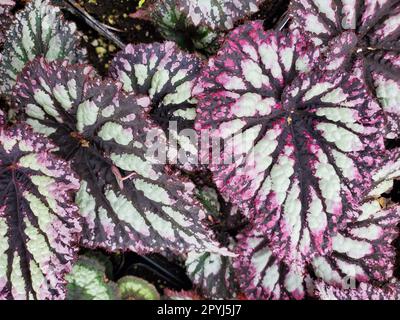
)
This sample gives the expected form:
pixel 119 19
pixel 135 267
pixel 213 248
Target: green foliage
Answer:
pixel 88 280
pixel 134 288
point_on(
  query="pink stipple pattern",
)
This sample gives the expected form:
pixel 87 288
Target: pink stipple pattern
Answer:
pixel 386 78
pixel 5 17
pixel 357 256
pixel 365 291
pixel 212 274
pixel 182 69
pixel 116 199
pixel 295 131
pixel 363 33
pixel 374 233
pixel 155 57
pixel 62 229
pixel 260 274
pixel 385 175
pixel 217 14
pixel 340 53
pixel 181 295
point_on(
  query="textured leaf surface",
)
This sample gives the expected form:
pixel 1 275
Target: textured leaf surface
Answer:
pixel 2 118
pixel 195 24
pixel 88 281
pixel 39 226
pixel 213 274
pixel 368 31
pixel 134 288
pixel 385 175
pixel 181 295
pixel 217 14
pixel 38 30
pixel 364 292
pixel 103 130
pixel 362 252
pixel 167 75
pixel 296 147
pixel 209 198
pixel 375 22
pixel 5 17
pixel 261 274
pixel 173 24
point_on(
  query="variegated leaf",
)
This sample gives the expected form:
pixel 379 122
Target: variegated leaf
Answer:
pixel 134 288
pixel 385 175
pixel 195 24
pixel 5 17
pixel 38 30
pixel 39 225
pixel 2 118
pixel 209 198
pixel 365 291
pixel 181 295
pixel 175 25
pixel 217 14
pixel 88 281
pixel 261 274
pixel 126 198
pixel 374 22
pixel 297 148
pixel 225 217
pixel 213 274
pixel 363 252
pixel 167 75
pixel 359 31
pixel 383 68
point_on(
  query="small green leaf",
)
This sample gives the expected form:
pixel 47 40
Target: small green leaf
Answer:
pixel 88 281
pixel 134 288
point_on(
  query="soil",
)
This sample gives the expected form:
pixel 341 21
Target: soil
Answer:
pixel 115 15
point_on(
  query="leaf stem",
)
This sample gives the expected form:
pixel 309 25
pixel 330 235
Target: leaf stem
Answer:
pixel 76 9
pixel 283 21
